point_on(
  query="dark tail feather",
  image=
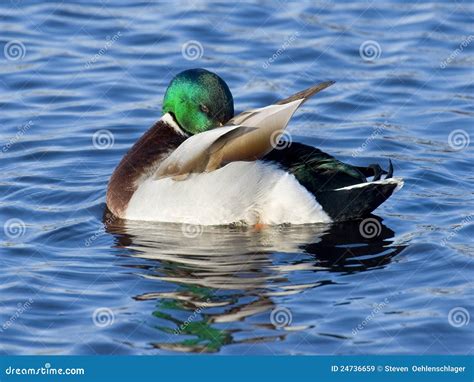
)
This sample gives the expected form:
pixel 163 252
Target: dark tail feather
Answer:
pixel 376 171
pixel 307 93
pixel 390 169
pixel 354 203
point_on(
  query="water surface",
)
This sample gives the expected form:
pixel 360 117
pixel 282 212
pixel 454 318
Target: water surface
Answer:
pixel 79 83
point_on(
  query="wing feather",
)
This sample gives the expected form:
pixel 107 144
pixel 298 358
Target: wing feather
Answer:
pixel 250 117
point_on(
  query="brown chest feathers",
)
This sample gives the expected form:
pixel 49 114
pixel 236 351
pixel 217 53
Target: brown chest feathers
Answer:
pixel 141 160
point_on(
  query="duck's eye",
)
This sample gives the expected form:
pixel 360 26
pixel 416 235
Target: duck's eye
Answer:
pixel 204 108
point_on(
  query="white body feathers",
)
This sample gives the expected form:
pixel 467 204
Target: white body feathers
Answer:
pixel 247 192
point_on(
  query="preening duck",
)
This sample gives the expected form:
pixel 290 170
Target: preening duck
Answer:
pixel 200 164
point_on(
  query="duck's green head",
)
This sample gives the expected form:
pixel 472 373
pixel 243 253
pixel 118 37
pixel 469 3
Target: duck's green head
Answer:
pixel 199 100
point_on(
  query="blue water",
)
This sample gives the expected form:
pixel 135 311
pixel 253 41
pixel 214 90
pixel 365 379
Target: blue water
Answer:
pixel 80 83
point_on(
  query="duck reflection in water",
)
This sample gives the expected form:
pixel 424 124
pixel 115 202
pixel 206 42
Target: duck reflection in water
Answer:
pixel 227 278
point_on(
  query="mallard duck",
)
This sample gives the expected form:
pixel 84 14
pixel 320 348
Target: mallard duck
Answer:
pixel 200 164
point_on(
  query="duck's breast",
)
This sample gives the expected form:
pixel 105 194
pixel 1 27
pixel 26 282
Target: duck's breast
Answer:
pixel 249 192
